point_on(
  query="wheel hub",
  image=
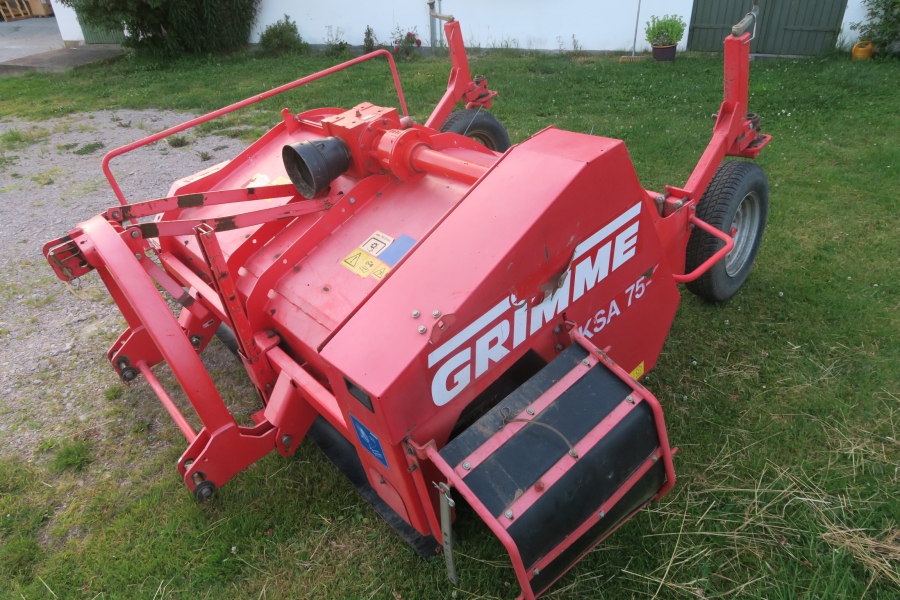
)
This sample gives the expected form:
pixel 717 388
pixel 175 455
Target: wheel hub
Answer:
pixel 743 230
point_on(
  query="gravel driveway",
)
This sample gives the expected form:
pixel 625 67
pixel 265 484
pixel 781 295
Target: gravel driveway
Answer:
pixel 53 369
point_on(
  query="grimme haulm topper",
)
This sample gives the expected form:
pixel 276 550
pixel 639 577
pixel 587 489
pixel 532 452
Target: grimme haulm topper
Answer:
pixel 443 314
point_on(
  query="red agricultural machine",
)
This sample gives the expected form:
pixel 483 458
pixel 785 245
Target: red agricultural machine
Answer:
pixel 445 315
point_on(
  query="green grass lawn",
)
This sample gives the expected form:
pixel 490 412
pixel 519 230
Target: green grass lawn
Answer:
pixel 784 402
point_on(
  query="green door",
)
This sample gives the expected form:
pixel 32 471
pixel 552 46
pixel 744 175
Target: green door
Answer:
pixel 93 35
pixel 785 26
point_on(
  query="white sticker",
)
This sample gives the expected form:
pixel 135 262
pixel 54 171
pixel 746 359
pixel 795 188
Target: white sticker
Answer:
pixel 259 180
pixel 377 243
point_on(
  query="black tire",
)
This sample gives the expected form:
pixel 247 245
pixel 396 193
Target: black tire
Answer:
pixel 481 126
pixel 737 185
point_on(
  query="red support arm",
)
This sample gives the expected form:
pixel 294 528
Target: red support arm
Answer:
pixel 735 132
pixel 244 103
pixel 461 86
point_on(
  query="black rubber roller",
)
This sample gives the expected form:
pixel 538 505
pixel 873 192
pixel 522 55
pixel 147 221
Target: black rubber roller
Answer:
pixel 312 166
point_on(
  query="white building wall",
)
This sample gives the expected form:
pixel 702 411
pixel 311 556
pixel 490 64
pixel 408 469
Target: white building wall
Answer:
pixel 856 13
pixel 68 24
pixel 597 25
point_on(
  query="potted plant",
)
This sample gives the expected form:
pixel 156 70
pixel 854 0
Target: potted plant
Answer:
pixel 664 33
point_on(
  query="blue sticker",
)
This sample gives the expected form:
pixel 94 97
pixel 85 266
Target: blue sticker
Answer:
pixel 369 441
pixel 393 253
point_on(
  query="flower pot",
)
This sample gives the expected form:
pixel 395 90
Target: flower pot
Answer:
pixel 664 53
pixel 863 51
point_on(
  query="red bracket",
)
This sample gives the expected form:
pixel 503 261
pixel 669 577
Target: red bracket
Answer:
pixel 712 260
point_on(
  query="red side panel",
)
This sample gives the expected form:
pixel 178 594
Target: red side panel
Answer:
pixel 503 270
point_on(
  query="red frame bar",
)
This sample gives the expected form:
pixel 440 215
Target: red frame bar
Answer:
pixel 244 103
pixel 595 516
pixel 638 392
pixel 229 222
pixel 431 452
pixel 531 495
pixel 152 311
pixel 206 295
pixel 313 392
pixel 510 429
pixel 161 205
pixel 498 525
pixel 733 133
pixel 166 401
pixel 712 260
pixel 460 85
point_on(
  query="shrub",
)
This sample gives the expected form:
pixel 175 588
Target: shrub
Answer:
pixel 369 41
pixel 406 45
pixel 882 25
pixel 665 31
pixel 335 44
pixel 282 37
pixel 173 27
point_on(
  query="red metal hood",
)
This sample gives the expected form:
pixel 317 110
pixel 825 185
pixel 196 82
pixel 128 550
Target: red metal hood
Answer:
pixel 508 241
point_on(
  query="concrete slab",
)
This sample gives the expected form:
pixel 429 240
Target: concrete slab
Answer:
pixel 28 36
pixel 57 61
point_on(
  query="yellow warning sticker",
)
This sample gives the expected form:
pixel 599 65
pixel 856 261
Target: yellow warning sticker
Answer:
pixel 638 371
pixel 257 180
pixel 364 264
pixel 281 180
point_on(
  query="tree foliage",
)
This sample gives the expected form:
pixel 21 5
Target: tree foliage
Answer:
pixel 882 25
pixel 282 37
pixel 173 27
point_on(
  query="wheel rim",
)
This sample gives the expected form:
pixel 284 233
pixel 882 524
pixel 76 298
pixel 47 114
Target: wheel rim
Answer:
pixel 743 230
pixel 485 140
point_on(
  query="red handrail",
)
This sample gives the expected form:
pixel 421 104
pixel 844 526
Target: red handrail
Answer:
pixel 243 103
pixel 707 265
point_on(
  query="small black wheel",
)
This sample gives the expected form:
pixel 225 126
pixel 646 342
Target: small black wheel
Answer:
pixel 737 203
pixel 204 491
pixel 481 126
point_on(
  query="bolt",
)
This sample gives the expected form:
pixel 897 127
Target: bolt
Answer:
pixel 286 440
pixel 508 514
pixel 529 410
pixel 586 362
pixel 128 374
pixel 536 571
pixel 629 399
pixel 601 514
pixel 195 340
pixel 557 329
pixel 135 233
pixel 467 466
pixel 116 214
pixel 559 347
pixel 415 314
pixel 435 313
pixel 422 329
pixel 660 199
pixel 352 200
pixel 678 203
pixel 138 255
pixel 654 459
